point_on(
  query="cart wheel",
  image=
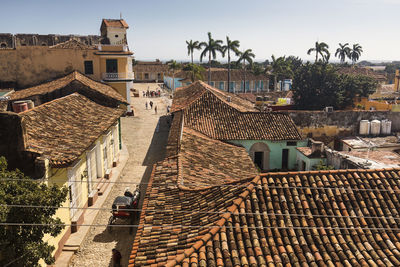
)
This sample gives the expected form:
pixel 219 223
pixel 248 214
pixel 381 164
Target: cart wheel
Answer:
pixel 110 222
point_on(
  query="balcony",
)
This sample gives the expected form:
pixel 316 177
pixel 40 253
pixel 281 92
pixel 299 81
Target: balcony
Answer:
pixel 113 47
pixel 117 76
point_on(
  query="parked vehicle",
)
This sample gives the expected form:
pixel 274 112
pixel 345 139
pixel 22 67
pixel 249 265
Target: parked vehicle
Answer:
pixel 125 208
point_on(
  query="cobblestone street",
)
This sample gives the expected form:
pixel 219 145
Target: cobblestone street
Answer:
pixel 146 145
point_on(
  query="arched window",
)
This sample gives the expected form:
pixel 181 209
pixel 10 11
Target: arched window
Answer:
pixel 3 45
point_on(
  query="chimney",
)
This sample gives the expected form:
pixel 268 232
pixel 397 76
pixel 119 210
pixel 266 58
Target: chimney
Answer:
pixel 317 148
pixel 228 99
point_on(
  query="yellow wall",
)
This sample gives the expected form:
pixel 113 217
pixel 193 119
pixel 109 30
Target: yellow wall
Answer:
pixel 29 65
pixel 59 176
pixel 377 105
pixel 397 81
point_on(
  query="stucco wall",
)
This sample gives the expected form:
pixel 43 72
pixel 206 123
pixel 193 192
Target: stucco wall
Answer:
pixel 275 147
pixel 325 126
pixel 31 65
pixel 310 162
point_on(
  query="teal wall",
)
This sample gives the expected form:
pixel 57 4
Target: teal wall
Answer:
pixel 275 147
pixel 310 162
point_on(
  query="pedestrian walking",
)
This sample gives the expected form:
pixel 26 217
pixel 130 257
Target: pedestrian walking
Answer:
pixel 146 104
pixel 143 93
pixel 116 258
pixel 168 109
pixel 151 104
pixel 155 109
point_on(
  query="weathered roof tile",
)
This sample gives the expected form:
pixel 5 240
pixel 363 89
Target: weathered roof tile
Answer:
pixel 64 128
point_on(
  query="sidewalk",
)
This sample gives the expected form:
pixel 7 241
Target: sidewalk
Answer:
pixel 74 242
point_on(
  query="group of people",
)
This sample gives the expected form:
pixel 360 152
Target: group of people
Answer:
pixel 149 93
pixel 151 106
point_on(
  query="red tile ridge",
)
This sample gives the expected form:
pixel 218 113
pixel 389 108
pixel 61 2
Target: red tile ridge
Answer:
pixel 326 172
pixel 191 102
pixel 141 221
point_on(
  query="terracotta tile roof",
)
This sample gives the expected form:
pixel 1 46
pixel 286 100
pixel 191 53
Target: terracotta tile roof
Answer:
pixel 75 76
pixel 157 245
pixel 318 218
pixel 206 162
pixel 184 96
pixel 64 128
pixel 72 44
pixel 207 110
pixel 362 71
pixel 218 120
pixel 118 23
pixel 174 136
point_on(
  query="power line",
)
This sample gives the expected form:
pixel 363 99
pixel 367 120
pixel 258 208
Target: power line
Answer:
pixel 222 185
pixel 210 226
pixel 211 212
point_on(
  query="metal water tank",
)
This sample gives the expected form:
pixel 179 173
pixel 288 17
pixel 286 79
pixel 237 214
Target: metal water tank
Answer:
pixel 375 127
pixel 386 127
pixel 364 127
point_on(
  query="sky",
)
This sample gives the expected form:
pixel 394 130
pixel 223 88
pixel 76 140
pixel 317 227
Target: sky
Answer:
pixel 159 28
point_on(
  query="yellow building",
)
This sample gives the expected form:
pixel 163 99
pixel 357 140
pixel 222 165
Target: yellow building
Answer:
pixel 108 60
pixel 70 141
pixel 396 81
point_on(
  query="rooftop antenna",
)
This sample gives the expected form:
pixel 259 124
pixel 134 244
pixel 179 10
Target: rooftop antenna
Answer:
pixel 370 145
pixel 120 15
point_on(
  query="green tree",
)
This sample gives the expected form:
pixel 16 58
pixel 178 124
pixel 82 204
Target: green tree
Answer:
pixel 211 47
pixel 246 56
pixel 318 85
pixel 195 71
pixel 191 46
pixel 343 52
pixel 24 245
pixel 173 66
pixel 320 49
pixel 355 53
pixel 231 45
pixel 281 68
pixel 294 63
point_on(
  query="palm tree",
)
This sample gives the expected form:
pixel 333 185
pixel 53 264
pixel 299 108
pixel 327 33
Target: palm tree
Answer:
pixel 342 52
pixel 244 56
pixel 191 46
pixel 355 53
pixel 257 70
pixel 173 66
pixel 320 49
pixel 280 67
pixel 231 45
pixel 211 47
pixel 195 71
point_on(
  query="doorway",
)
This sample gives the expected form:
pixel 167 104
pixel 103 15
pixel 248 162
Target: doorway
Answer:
pixel 285 159
pixel 260 153
pixel 258 159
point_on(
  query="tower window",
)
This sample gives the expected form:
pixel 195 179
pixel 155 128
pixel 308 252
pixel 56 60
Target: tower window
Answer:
pixel 116 36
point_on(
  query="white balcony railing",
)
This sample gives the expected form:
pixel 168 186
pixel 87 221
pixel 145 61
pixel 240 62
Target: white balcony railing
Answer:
pixel 118 76
pixel 113 47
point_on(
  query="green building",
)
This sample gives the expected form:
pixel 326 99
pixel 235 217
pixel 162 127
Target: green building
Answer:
pixel 270 138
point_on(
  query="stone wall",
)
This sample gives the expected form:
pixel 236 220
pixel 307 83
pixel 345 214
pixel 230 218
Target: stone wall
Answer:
pixel 31 65
pixel 326 126
pixel 10 41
